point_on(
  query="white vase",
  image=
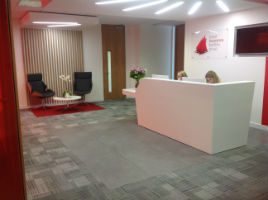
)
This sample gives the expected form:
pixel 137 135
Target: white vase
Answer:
pixel 67 95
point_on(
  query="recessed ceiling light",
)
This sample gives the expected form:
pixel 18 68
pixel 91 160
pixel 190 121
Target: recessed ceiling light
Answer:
pixel 223 6
pixel 175 5
pixel 195 8
pixel 56 23
pixel 145 5
pixel 63 25
pixel 113 1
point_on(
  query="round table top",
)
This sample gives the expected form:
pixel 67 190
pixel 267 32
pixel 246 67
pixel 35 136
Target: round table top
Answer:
pixel 70 98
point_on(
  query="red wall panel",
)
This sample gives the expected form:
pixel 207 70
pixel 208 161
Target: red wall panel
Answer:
pixel 265 97
pixel 11 181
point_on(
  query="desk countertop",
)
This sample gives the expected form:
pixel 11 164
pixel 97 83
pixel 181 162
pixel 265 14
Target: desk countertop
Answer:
pixel 129 92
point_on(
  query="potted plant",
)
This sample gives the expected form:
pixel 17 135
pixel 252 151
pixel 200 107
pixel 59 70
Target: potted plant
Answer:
pixel 66 80
pixel 137 73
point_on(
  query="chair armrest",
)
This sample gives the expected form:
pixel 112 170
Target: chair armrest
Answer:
pixel 36 94
pixel 45 86
pixel 49 90
pixel 29 88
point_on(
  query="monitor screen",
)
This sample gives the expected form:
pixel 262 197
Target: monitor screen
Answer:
pixel 190 79
pixel 252 39
pixel 160 76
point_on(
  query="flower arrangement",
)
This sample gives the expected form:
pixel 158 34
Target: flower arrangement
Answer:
pixel 66 79
pixel 137 73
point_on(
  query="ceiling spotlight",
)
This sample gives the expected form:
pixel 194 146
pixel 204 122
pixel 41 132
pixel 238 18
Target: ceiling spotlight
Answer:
pixel 223 6
pixel 195 8
pixel 56 23
pixel 145 5
pixel 113 1
pixel 175 5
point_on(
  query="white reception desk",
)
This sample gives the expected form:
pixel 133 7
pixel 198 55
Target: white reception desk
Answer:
pixel 209 117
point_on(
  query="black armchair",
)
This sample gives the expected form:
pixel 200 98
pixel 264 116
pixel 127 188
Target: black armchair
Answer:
pixel 38 88
pixel 82 83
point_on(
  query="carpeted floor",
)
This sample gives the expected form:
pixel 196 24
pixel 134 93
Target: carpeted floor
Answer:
pixel 104 155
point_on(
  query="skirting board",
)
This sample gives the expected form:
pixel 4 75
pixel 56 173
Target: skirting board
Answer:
pixel 258 126
pixel 25 107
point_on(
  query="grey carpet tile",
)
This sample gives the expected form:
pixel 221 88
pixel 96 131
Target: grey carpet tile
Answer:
pixel 104 155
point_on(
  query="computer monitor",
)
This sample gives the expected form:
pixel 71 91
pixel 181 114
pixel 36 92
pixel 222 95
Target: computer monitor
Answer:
pixel 160 76
pixel 191 79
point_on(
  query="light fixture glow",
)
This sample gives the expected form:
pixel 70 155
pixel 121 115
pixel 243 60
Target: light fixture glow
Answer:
pixel 113 1
pixel 175 5
pixel 145 5
pixel 223 6
pixel 63 25
pixel 57 23
pixel 213 31
pixel 195 8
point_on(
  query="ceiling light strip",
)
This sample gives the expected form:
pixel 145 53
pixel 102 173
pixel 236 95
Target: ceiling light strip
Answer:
pixel 61 23
pixel 223 6
pixel 145 5
pixel 113 2
pixel 168 8
pixel 195 7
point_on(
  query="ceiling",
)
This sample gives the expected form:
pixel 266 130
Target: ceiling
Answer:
pixel 113 14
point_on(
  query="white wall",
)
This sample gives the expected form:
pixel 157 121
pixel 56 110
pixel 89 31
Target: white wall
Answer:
pixel 149 46
pixel 156 49
pixel 92 51
pixel 233 68
pixel 20 72
pixel 132 38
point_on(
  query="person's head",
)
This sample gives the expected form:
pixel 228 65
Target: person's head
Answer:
pixel 181 74
pixel 212 77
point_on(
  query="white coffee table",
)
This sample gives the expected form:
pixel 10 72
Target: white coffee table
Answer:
pixel 68 100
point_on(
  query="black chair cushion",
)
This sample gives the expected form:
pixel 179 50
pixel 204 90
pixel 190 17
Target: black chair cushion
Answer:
pixel 82 75
pixel 38 86
pixel 83 85
pixel 34 77
pixel 82 82
pixel 48 93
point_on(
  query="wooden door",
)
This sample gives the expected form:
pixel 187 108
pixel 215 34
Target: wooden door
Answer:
pixel 114 61
pixel 179 49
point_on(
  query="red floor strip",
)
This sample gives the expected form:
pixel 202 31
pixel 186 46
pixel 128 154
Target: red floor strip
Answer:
pixel 60 110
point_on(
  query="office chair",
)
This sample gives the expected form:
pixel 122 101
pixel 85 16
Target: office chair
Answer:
pixel 38 88
pixel 82 84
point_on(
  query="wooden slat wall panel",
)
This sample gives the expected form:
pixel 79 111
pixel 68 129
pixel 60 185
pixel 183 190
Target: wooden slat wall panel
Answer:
pixel 53 52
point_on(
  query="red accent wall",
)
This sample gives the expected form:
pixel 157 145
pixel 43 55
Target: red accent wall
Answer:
pixel 11 181
pixel 265 97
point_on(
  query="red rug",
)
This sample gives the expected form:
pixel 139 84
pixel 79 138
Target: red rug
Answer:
pixel 60 110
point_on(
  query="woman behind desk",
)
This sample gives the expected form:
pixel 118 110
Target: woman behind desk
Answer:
pixel 212 77
pixel 181 74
